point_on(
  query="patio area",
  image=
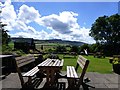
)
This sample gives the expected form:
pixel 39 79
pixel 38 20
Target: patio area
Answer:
pixel 99 81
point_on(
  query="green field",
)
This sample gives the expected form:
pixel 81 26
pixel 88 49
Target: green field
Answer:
pixel 100 65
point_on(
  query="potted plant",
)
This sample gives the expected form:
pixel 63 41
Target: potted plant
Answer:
pixel 116 65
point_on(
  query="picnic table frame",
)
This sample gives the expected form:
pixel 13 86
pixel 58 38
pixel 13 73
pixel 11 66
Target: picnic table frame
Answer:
pixel 50 67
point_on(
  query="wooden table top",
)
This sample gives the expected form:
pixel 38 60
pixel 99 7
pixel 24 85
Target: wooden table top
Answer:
pixel 51 63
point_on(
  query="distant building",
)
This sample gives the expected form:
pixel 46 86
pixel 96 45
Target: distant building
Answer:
pixel 28 40
pixel 24 44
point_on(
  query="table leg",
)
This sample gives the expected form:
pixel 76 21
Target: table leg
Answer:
pixel 30 81
pixel 71 84
pixel 52 77
pixel 47 77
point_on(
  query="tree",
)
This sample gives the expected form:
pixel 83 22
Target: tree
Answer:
pixel 84 46
pixel 106 31
pixel 97 47
pixel 74 49
pixel 5 37
pixel 60 48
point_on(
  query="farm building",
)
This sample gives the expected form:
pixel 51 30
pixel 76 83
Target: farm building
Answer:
pixel 24 44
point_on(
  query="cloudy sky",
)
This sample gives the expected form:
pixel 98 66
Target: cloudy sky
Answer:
pixel 54 20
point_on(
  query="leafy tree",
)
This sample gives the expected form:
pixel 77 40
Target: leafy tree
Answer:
pixel 74 49
pixel 60 48
pixel 5 37
pixel 84 46
pixel 106 31
pixel 93 48
pixel 97 47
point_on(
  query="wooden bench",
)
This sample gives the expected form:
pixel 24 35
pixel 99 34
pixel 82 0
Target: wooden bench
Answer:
pixel 33 81
pixel 74 81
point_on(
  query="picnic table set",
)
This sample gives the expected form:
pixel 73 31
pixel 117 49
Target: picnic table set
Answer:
pixel 50 70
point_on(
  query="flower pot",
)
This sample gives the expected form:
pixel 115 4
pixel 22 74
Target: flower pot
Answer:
pixel 116 68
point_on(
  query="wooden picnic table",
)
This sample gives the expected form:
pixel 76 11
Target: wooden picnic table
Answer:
pixel 51 67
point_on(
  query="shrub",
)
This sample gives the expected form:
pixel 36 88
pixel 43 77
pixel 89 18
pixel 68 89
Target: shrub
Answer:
pixel 6 49
pixel 74 49
pixel 60 49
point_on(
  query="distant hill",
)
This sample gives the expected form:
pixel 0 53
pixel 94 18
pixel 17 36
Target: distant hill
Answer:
pixel 60 42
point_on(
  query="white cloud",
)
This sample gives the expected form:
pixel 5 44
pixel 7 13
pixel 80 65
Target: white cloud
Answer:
pixel 36 35
pixel 63 26
pixel 63 23
pixel 28 14
pixel 7 2
pixel 57 35
pixel 83 35
pixel 18 22
pixel 19 25
pixel 8 13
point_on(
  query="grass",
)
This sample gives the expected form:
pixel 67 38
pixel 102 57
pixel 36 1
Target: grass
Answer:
pixel 11 44
pixel 100 65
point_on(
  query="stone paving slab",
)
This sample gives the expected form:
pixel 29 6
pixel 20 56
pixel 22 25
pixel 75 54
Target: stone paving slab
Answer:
pixel 99 81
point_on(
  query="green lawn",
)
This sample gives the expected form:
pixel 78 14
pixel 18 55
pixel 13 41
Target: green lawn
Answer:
pixel 100 65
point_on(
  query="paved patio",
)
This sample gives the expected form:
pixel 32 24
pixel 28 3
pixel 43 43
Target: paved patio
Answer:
pixel 99 81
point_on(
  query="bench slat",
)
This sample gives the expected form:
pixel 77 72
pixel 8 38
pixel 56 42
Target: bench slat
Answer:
pixel 55 63
pixel 68 71
pixel 25 63
pixel 71 73
pixel 74 72
pixel 52 62
pixel 42 64
pixel 24 60
pixel 59 62
pixel 81 61
pixel 45 62
pixel 82 58
pixel 48 62
pixel 81 65
pixel 62 61
pixel 32 72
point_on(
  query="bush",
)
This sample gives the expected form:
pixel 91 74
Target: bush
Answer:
pixel 60 49
pixel 6 49
pixel 53 56
pixel 18 53
pixel 74 49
